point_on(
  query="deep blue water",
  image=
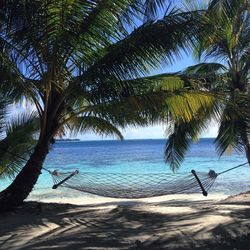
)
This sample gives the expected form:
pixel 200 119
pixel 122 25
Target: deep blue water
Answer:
pixel 142 156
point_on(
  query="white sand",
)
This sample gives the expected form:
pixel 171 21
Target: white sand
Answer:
pixel 168 222
pixel 87 200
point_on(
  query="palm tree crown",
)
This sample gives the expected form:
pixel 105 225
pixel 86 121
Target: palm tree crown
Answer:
pixel 85 65
pixel 225 38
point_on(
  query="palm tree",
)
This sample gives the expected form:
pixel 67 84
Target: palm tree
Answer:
pixel 84 65
pixel 226 39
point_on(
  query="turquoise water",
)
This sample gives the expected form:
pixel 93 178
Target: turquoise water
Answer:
pixel 140 156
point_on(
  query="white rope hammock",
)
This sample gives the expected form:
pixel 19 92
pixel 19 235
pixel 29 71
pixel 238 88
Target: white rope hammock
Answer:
pixel 131 185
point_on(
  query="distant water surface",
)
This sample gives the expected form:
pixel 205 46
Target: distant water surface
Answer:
pixel 140 156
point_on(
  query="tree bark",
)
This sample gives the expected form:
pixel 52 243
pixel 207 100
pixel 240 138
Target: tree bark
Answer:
pixel 246 144
pixel 247 150
pixel 19 189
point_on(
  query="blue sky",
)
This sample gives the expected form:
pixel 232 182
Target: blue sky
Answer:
pixel 157 131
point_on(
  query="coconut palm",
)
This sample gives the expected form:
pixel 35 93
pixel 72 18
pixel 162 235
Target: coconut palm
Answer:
pixel 84 65
pixel 226 39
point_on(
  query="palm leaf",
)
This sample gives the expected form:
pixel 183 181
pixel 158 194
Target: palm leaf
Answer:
pixel 180 140
pixel 18 144
pixel 234 123
pixel 205 69
pixel 184 132
pixel 178 143
pixel 3 111
pixel 146 48
pixel 94 124
pixel 153 7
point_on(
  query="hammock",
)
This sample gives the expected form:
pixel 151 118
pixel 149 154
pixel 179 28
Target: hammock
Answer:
pixel 117 185
pixel 133 186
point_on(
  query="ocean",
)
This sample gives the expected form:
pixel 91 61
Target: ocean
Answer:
pixel 138 156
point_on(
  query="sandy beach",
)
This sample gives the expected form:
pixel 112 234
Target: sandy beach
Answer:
pixel 125 99
pixel 168 222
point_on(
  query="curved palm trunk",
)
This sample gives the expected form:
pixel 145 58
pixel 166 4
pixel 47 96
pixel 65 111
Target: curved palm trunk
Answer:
pixel 17 192
pixel 247 149
pixel 246 143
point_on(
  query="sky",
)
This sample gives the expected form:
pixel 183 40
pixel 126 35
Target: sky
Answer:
pixel 157 131
pixel 150 132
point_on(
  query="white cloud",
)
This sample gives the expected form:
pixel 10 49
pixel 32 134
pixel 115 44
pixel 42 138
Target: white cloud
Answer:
pixel 150 132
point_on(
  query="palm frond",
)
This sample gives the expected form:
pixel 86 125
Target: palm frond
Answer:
pixel 183 131
pixel 3 111
pixel 111 89
pixel 178 143
pixel 234 122
pixel 14 85
pixel 181 138
pixel 153 7
pixel 207 76
pixel 147 47
pixel 205 69
pixel 98 125
pixel 226 23
pixel 18 144
pixel 187 103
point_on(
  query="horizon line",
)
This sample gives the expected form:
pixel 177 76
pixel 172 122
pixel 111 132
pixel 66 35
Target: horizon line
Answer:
pixel 129 139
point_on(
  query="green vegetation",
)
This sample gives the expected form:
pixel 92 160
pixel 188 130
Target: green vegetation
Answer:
pixel 85 65
pixel 17 141
pixel 225 37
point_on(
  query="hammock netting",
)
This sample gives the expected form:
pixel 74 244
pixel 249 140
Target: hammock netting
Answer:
pixel 118 185
pixel 135 185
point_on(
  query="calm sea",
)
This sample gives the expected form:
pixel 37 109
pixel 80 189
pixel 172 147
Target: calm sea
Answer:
pixel 139 156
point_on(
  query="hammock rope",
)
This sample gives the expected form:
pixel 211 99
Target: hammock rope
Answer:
pixel 131 185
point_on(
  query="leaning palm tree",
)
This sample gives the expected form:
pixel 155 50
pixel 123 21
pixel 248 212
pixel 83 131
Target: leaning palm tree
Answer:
pixel 84 66
pixel 226 39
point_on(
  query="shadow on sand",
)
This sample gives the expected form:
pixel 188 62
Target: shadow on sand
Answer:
pixel 167 225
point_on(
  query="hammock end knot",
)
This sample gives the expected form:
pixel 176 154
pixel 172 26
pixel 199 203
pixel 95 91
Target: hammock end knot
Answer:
pixel 55 186
pixel 204 193
pixel 55 172
pixel 212 174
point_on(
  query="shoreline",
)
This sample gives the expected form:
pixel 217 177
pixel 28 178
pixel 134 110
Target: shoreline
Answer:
pixel 93 199
pixel 168 222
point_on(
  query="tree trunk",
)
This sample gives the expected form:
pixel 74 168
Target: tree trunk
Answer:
pixel 247 150
pixel 246 144
pixel 19 189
